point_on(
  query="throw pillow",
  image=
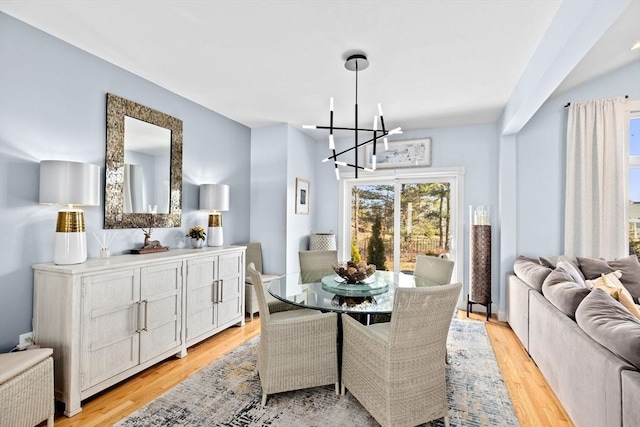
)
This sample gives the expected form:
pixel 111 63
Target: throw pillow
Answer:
pixel 549 261
pixel 572 269
pixel 552 261
pixel 623 294
pixel 561 291
pixel 600 280
pixel 629 267
pixel 531 272
pixel 610 324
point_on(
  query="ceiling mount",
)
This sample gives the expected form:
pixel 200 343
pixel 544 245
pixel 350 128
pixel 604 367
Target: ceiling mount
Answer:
pixel 357 62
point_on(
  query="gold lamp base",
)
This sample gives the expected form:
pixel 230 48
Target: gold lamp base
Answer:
pixel 71 238
pixel 215 237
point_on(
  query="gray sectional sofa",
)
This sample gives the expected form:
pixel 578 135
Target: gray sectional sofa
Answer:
pixel 592 364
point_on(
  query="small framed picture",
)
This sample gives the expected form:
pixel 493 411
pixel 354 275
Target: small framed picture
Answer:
pixel 401 154
pixel 302 196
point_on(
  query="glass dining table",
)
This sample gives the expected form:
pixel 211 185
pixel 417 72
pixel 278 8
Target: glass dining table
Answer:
pixel 374 296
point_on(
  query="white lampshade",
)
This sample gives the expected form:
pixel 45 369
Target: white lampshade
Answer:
pixel 215 198
pixel 70 183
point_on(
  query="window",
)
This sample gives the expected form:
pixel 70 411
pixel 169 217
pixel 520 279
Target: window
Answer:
pixel 634 178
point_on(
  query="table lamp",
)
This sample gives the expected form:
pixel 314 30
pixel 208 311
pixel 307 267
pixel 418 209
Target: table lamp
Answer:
pixel 214 198
pixel 70 183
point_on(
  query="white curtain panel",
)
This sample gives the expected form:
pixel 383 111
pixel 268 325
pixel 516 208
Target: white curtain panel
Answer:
pixel 595 221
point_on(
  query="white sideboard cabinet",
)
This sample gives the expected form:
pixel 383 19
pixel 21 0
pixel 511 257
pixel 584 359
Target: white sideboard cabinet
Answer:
pixel 109 318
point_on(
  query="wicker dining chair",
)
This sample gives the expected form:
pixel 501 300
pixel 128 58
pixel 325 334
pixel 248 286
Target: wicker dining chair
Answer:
pixel 254 255
pixel 298 348
pixel 396 370
pixel 314 265
pixel 435 269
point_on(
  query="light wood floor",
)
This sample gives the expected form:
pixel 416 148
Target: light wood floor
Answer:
pixel 534 402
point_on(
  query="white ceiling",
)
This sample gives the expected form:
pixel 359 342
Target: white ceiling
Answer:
pixel 432 63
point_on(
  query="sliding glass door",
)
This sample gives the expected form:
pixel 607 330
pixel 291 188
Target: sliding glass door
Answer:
pixel 388 221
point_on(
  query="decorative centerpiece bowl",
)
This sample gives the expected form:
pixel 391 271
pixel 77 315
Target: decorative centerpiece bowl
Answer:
pixel 352 272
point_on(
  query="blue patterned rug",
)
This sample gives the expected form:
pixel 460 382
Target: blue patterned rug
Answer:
pixel 228 393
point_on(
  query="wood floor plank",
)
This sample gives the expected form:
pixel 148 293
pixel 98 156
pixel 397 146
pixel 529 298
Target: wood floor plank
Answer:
pixel 533 400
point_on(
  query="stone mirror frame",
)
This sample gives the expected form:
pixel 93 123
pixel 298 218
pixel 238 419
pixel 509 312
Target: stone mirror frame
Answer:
pixel 114 215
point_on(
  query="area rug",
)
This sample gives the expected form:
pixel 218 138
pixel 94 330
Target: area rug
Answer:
pixel 228 393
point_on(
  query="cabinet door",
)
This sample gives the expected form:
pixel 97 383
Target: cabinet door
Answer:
pixel 110 341
pixel 160 309
pixel 230 273
pixel 201 295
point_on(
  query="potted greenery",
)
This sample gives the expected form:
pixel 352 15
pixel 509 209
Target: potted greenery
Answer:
pixel 197 235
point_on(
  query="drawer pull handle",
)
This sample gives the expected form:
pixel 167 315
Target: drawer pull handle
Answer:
pixel 137 304
pixel 146 315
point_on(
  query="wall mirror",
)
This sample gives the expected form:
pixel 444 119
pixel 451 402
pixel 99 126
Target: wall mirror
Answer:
pixel 143 185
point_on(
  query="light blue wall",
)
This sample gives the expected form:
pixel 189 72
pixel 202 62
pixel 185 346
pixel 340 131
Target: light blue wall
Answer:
pixel 300 164
pixel 541 158
pixel 279 155
pixel 53 106
pixel 269 195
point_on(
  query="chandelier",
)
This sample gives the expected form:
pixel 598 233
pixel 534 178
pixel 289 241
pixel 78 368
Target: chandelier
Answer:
pixel 356 63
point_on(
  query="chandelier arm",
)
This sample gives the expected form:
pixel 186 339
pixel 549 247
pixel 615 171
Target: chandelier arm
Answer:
pixel 354 166
pixel 345 128
pixel 331 142
pixel 334 156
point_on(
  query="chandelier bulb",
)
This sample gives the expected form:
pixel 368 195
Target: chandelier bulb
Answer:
pixel 332 144
pixel 331 104
pixel 386 144
pixel 380 108
pixel 373 162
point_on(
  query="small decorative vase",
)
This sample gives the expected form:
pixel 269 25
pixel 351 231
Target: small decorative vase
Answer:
pixel 196 243
pixel 105 253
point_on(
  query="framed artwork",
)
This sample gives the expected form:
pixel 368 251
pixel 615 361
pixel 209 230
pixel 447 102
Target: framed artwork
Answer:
pixel 302 196
pixel 401 154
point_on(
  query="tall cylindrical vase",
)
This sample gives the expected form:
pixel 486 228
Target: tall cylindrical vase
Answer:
pixel 479 259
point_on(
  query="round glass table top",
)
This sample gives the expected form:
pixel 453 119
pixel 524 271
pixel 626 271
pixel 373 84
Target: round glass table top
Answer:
pixel 332 294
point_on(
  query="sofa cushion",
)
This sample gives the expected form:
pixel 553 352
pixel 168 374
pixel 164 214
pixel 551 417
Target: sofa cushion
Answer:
pixel 561 291
pixel 531 272
pixel 606 321
pixel 629 267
